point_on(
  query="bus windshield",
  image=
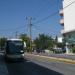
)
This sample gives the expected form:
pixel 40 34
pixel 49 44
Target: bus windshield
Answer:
pixel 15 46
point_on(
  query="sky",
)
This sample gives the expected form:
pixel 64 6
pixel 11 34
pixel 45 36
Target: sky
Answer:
pixel 13 15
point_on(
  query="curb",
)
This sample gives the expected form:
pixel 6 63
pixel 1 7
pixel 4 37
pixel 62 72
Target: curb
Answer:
pixel 57 59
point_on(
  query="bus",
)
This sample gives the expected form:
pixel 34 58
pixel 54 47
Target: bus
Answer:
pixel 15 49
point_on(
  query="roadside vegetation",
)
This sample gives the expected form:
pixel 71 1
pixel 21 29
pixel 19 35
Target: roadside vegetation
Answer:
pixel 40 44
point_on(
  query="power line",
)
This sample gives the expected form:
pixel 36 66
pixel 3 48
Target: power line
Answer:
pixel 43 32
pixel 20 27
pixel 44 19
pixel 69 4
pixel 48 2
pixel 53 14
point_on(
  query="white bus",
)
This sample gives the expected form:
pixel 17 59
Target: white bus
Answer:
pixel 15 49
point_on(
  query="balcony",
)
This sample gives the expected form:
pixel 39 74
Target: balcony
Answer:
pixel 61 12
pixel 62 22
pixel 62 31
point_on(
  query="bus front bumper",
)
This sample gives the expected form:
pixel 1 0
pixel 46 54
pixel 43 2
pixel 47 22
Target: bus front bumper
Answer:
pixel 15 57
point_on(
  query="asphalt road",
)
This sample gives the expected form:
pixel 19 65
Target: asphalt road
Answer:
pixel 28 68
pixel 37 66
pixel 60 67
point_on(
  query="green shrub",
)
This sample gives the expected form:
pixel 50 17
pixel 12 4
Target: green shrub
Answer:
pixel 73 49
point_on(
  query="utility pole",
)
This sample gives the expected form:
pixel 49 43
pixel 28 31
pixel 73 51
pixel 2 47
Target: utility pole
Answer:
pixel 16 34
pixel 30 32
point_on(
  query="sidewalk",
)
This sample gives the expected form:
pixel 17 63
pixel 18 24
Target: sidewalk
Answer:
pixel 65 56
pixel 68 58
pixel 3 69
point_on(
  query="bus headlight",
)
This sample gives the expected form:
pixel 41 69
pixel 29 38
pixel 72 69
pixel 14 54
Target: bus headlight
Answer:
pixel 21 51
pixel 23 55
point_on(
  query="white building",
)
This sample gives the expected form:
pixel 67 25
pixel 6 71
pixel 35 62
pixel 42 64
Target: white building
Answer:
pixel 68 21
pixel 60 39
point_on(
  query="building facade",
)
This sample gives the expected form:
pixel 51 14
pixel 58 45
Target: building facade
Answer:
pixel 68 23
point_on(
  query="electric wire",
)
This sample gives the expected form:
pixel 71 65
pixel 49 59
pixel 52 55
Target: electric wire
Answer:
pixel 40 21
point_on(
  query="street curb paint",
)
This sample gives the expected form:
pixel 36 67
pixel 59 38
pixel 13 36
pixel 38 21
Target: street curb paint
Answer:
pixel 57 59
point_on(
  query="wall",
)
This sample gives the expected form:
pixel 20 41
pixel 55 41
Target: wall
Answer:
pixel 69 15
